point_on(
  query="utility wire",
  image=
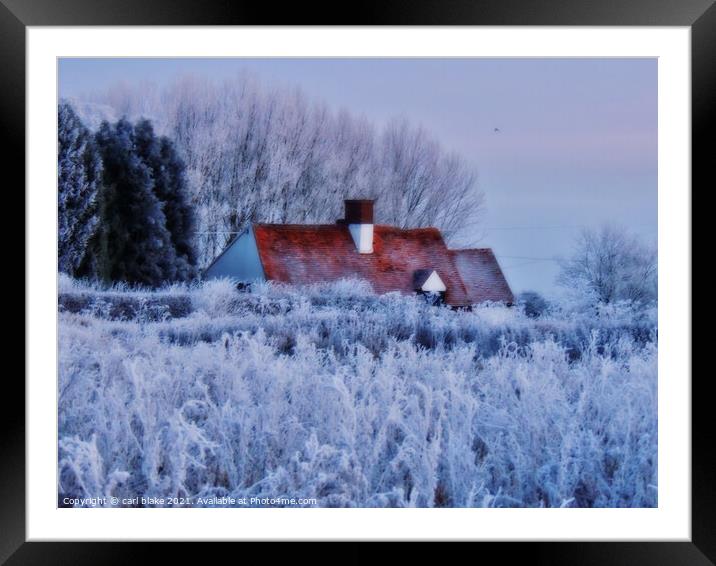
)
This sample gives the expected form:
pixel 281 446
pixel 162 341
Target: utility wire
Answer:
pixel 218 232
pixel 562 227
pixel 523 264
pixel 530 258
pixel 533 227
pixel 527 257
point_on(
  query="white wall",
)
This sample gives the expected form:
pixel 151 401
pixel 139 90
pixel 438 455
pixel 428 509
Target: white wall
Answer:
pixel 240 260
pixel 362 237
pixel 434 284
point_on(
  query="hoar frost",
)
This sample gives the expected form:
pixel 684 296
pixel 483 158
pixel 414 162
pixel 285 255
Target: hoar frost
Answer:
pixel 204 392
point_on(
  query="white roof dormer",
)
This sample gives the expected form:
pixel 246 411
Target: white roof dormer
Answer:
pixel 428 281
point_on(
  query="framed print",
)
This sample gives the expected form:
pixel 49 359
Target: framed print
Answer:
pixel 423 275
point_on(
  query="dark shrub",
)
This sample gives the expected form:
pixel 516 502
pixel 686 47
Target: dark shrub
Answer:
pixel 534 304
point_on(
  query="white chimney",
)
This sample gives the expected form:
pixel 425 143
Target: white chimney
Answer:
pixel 359 217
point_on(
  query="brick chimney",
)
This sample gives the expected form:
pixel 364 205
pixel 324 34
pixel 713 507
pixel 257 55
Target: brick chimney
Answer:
pixel 359 217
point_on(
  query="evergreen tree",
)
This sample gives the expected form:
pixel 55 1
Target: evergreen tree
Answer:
pixel 170 187
pixel 133 243
pixel 78 177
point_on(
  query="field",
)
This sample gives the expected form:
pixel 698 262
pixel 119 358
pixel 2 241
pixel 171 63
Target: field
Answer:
pixel 333 394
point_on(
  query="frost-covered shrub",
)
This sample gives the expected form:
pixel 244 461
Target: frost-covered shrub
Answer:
pixel 66 284
pixel 216 296
pixel 354 400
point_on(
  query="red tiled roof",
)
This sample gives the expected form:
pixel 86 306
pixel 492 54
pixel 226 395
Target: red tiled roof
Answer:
pixel 482 276
pixel 304 254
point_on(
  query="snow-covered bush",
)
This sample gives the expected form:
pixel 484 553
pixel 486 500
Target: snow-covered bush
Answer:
pixel 352 399
pixel 215 297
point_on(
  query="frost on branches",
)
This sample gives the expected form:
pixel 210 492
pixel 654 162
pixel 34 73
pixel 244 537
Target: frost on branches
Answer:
pixel 256 153
pixel 352 399
pixel 79 169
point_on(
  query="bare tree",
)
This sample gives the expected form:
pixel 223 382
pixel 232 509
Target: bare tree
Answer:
pixel 612 265
pixel 255 154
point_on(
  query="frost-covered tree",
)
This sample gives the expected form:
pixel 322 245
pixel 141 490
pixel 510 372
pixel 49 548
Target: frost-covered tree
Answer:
pixel 421 185
pixel 254 153
pixel 170 187
pixel 133 243
pixel 611 265
pixel 79 170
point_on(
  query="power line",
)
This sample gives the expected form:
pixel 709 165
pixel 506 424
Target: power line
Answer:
pixel 527 257
pixel 530 258
pixel 533 227
pixel 522 264
pixel 561 227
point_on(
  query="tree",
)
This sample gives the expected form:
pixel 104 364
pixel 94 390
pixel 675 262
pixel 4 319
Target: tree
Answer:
pixel 258 154
pixel 133 243
pixel 79 170
pixel 170 187
pixel 611 265
pixel 421 185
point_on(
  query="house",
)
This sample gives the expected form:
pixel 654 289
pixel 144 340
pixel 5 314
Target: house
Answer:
pixel 415 260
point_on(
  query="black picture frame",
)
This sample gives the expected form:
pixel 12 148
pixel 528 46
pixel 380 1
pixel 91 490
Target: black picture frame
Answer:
pixel 16 15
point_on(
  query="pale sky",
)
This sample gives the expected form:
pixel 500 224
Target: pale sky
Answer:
pixel 576 147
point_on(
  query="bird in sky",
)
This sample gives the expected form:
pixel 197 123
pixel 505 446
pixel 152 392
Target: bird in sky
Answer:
pixel 497 130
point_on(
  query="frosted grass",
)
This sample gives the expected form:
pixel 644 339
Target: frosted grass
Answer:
pixel 352 399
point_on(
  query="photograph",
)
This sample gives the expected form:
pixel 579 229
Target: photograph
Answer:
pixel 366 282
